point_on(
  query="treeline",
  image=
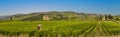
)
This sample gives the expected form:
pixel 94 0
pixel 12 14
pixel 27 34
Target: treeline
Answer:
pixel 108 17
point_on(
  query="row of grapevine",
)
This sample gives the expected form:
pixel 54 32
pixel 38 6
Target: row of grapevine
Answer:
pixel 111 28
pixel 60 28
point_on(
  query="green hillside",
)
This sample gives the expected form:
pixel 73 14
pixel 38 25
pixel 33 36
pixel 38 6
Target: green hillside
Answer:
pixel 66 15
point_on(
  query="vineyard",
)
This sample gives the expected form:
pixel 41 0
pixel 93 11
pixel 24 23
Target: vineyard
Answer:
pixel 60 29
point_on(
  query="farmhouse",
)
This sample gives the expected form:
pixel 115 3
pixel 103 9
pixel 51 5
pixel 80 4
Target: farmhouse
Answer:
pixel 46 17
pixel 103 18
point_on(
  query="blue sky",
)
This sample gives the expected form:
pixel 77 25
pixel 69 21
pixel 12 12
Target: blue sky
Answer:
pixel 9 7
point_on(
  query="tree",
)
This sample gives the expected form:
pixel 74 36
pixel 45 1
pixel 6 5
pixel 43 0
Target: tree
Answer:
pixel 85 16
pixel 106 17
pixel 110 17
pixel 11 18
pixel 117 19
pixel 100 17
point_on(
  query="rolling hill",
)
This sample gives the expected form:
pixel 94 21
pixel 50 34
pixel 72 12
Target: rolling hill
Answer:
pixel 54 15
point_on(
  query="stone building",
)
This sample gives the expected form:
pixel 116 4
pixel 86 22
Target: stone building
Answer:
pixel 46 17
pixel 103 18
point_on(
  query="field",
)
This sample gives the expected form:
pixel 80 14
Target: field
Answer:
pixel 60 29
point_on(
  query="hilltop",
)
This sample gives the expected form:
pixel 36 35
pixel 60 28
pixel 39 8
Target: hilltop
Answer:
pixel 54 15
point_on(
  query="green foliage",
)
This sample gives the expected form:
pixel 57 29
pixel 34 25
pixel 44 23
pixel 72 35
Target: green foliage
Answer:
pixel 60 28
pixel 54 15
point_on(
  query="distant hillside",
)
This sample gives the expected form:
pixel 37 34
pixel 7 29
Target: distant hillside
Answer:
pixel 3 17
pixel 54 15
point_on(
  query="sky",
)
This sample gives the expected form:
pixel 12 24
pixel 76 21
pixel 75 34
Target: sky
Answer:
pixel 10 7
